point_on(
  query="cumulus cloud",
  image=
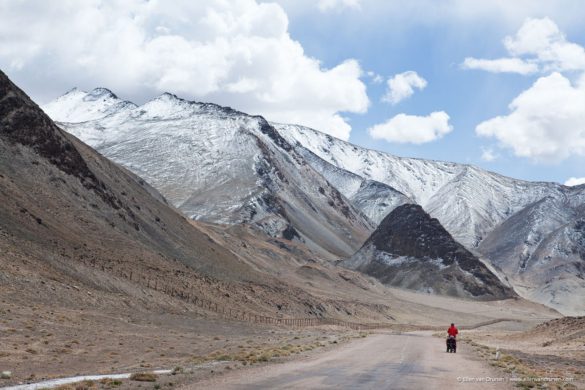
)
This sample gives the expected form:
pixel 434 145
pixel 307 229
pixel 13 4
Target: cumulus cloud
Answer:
pixel 236 53
pixel 546 122
pixel 414 129
pixel 575 181
pixel 538 45
pixel 542 39
pixel 326 5
pixel 501 65
pixel 402 85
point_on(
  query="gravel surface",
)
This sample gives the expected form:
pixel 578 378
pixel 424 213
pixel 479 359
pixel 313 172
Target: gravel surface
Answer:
pixel 382 361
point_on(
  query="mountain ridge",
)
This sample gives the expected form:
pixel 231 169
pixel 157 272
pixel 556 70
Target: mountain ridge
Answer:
pixel 421 179
pixel 193 152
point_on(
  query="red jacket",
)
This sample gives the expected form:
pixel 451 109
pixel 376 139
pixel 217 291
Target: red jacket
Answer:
pixel 452 331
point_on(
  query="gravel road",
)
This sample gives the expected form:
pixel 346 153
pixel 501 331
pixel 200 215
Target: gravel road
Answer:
pixel 381 361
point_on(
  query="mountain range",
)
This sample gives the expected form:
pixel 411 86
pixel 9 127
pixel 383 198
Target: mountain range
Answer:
pixel 300 184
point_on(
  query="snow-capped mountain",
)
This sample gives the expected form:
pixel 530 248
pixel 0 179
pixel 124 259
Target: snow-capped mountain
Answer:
pixel 410 249
pixel 299 183
pixel 80 106
pixel 193 153
pixel 468 201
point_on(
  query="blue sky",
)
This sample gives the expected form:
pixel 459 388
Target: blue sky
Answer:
pixel 308 62
pixel 435 50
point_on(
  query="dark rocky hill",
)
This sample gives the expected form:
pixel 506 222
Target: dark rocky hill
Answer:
pixel 412 250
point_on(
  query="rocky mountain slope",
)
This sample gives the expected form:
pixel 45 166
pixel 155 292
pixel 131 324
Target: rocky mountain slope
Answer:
pixel 79 231
pixel 542 251
pixel 70 215
pixel 412 250
pixel 194 153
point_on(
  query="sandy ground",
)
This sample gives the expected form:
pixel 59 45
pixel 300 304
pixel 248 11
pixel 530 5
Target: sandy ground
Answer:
pixel 43 343
pixel 381 361
pixel 556 353
pixel 326 358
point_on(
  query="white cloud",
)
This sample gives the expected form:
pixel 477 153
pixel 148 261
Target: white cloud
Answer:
pixel 402 85
pixel 543 46
pixel 414 129
pixel 488 154
pixel 236 53
pixel 501 65
pixel 546 122
pixel 542 39
pixel 575 181
pixel 326 5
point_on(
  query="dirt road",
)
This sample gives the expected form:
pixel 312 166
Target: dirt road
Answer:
pixel 381 361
